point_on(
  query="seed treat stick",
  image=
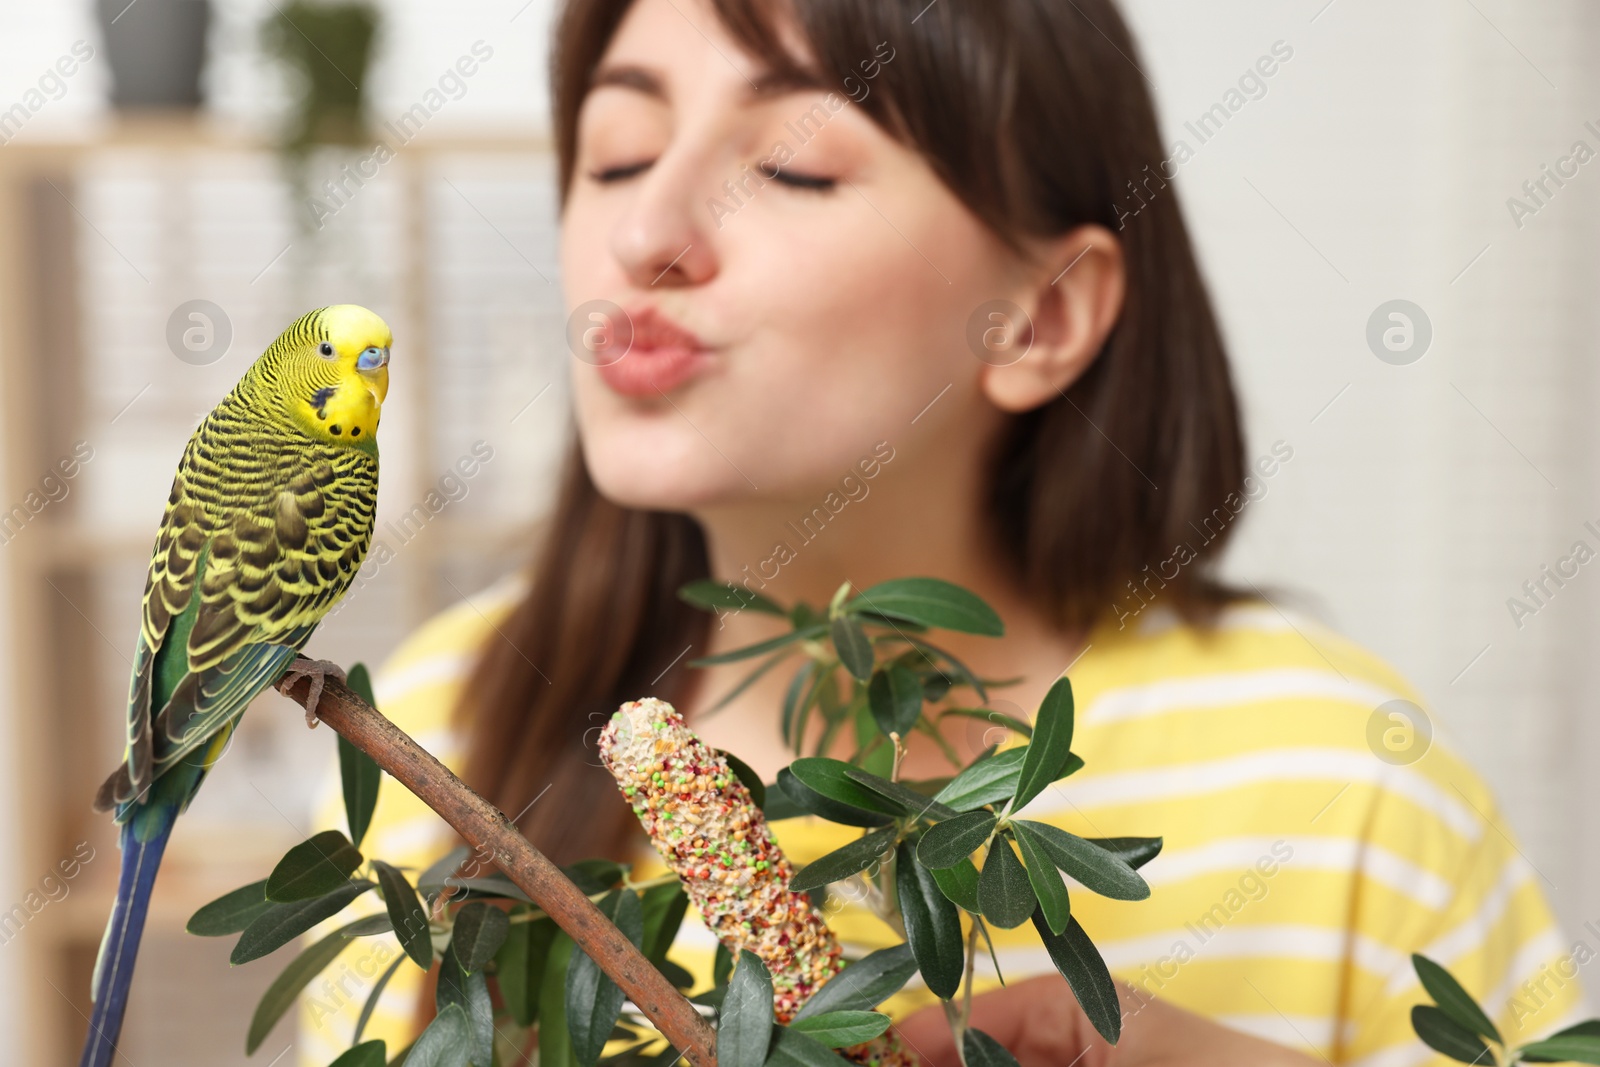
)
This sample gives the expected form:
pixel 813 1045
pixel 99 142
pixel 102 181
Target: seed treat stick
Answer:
pixel 705 824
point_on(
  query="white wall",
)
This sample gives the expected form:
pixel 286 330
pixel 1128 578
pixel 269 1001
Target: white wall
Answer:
pixel 1377 166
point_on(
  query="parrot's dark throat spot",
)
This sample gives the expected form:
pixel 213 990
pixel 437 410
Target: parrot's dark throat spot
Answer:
pixel 334 429
pixel 356 432
pixel 320 398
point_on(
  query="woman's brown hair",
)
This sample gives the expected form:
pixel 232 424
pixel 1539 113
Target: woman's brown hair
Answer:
pixel 1035 114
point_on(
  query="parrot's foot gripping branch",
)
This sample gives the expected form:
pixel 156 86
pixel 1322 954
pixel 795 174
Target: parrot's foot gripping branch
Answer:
pixel 317 671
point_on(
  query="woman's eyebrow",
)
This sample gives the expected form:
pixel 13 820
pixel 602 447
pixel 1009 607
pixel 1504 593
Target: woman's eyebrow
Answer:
pixel 765 86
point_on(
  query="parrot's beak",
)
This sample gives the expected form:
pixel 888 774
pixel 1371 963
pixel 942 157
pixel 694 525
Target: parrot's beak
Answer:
pixel 373 366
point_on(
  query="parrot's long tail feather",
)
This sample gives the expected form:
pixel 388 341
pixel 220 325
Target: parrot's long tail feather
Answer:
pixel 113 969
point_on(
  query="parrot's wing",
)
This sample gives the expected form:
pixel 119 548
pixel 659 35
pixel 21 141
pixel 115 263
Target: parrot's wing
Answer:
pixel 215 698
pixel 168 595
pixel 269 574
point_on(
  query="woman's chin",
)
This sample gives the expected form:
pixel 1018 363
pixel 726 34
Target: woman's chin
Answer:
pixel 660 486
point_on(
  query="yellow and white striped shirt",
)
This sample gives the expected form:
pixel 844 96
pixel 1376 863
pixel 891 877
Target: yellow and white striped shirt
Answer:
pixel 1299 873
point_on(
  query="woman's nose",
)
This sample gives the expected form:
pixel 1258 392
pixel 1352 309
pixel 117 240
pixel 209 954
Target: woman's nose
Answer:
pixel 664 236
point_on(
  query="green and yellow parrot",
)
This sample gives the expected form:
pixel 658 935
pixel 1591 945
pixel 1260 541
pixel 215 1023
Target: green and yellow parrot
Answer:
pixel 269 518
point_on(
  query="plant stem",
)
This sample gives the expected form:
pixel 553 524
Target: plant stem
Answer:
pixel 960 1020
pixel 536 914
pixel 483 826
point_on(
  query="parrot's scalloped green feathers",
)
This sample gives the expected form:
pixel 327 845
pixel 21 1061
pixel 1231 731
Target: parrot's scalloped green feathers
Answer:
pixel 276 489
pixel 268 521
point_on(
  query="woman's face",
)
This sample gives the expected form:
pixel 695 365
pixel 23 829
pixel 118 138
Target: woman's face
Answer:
pixel 828 305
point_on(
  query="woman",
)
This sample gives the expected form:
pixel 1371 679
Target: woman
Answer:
pixel 887 319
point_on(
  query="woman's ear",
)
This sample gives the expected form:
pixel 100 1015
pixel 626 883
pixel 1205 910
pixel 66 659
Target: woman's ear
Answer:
pixel 1070 303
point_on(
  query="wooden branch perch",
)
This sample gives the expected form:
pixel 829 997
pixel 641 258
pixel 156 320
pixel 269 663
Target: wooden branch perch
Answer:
pixel 483 826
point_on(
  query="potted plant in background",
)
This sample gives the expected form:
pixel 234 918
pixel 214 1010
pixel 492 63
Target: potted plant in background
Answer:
pixel 156 49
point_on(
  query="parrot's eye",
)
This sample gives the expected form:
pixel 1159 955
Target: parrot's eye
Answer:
pixel 326 349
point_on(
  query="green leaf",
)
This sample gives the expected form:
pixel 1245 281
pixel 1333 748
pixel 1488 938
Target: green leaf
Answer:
pixel 933 927
pixel 231 912
pixel 760 648
pixel 678 976
pixel 797 700
pixel 988 781
pixel 1452 999
pixel 443 868
pixel 935 685
pixel 981 1050
pixel 959 884
pixel 961 670
pixel 405 913
pixel 555 1041
pixel 741 770
pixel 366 1054
pixel 519 967
pixel 1045 879
pixel 314 867
pixel 854 648
pixel 595 876
pixel 999 718
pixel 1134 851
pixel 874 978
pixel 902 625
pixel 840 794
pixel 708 594
pixel 780 805
pixel 372 998
pixel 841 1029
pixel 803 615
pixel 796 1048
pixel 491 887
pixel 1080 964
pixel 1571 1048
pixel 469 992
pixel 947 843
pixel 1045 757
pixel 371 925
pixel 447 1042
pixel 895 697
pixel 988 943
pixel 480 929
pixel 359 774
pixel 750 679
pixel 282 923
pixel 280 995
pixel 1589 1028
pixel 593 1000
pixel 931 602
pixel 664 907
pixel 1443 1034
pixel 914 803
pixel 1004 892
pixel 744 1026
pixel 1095 868
pixel 841 863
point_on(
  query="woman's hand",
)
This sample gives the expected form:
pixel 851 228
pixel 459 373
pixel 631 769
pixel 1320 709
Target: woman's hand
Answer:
pixel 1040 1022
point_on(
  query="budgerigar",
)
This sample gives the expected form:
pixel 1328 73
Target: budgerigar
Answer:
pixel 268 521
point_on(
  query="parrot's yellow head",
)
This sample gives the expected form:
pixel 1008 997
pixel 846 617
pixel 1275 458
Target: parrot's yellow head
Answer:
pixel 333 364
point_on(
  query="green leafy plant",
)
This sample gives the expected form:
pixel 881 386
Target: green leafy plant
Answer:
pixel 327 46
pixel 1456 1026
pixel 940 860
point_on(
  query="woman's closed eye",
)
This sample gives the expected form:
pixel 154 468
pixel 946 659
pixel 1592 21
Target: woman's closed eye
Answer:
pixel 791 178
pixel 617 174
pixel 797 180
